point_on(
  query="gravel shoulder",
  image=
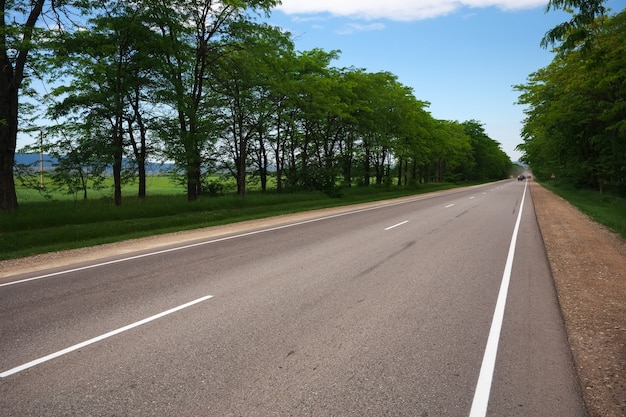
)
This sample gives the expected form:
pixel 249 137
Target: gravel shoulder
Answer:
pixel 588 265
pixel 589 269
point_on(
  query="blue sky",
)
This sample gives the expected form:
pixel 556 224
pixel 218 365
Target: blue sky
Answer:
pixel 461 56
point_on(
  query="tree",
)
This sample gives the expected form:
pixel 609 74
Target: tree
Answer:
pixel 109 66
pixel 489 161
pixel 78 162
pixel 242 80
pixel 378 98
pixel 575 117
pixel 451 151
pixel 311 101
pixel 17 39
pixel 194 34
pixel 281 96
pixel 580 28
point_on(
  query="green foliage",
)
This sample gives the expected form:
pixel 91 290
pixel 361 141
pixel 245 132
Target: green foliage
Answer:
pixel 488 162
pixel 206 87
pixel 214 188
pixel 575 127
pixel 580 28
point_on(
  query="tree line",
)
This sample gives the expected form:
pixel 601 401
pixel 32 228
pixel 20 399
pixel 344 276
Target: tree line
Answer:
pixel 208 86
pixel 575 129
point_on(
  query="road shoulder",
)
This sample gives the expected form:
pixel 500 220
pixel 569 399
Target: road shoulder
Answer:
pixel 588 265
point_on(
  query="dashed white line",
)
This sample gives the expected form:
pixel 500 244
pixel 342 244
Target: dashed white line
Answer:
pixel 483 386
pixel 449 205
pixel 396 225
pixel 98 338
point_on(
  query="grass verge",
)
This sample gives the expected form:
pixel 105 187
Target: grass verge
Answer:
pixel 47 226
pixel 605 208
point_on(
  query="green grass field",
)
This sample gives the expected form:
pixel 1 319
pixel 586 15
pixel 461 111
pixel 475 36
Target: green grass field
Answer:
pixel 155 184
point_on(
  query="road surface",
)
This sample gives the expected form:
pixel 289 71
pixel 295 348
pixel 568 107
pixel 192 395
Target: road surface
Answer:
pixel 438 305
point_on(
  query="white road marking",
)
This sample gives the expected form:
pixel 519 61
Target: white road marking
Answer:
pixel 471 198
pixel 449 205
pixel 483 386
pixel 396 225
pixel 98 338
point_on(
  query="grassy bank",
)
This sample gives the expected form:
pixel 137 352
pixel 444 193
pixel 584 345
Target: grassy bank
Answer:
pixel 41 226
pixel 605 208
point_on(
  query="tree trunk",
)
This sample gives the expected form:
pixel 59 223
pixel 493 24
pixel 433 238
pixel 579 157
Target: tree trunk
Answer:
pixel 346 151
pixel 8 140
pixel 194 184
pixel 193 160
pixel 379 166
pixel 140 150
pixel 263 168
pixel 141 193
pixel 280 152
pixel 241 175
pixel 367 165
pixel 117 168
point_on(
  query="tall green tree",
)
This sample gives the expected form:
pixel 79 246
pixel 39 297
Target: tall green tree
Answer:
pixel 194 34
pixel 242 79
pixel 575 127
pixel 109 66
pixel 489 161
pixel 312 98
pixel 375 111
pixel 18 37
pixel 283 65
pixel 451 151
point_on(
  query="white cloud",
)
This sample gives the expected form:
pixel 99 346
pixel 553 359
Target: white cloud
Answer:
pixel 301 19
pixel 355 27
pixel 398 10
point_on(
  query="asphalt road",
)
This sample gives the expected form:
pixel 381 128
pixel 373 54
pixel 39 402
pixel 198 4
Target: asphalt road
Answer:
pixel 385 311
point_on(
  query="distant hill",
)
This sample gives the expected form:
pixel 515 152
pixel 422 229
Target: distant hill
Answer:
pixel 32 159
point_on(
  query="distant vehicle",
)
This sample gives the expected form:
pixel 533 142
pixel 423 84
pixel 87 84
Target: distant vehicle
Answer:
pixel 521 177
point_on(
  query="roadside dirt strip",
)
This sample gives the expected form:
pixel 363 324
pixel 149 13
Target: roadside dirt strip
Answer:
pixel 589 268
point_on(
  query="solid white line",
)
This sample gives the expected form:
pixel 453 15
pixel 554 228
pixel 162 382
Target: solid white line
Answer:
pixel 99 338
pixel 396 225
pixel 483 387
